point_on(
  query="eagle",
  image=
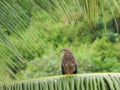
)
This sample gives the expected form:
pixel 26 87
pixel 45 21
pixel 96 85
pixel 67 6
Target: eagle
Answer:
pixel 69 64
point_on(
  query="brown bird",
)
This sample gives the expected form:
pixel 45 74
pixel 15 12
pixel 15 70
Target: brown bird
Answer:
pixel 69 64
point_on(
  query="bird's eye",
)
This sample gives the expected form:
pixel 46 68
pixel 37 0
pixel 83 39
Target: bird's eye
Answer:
pixel 64 49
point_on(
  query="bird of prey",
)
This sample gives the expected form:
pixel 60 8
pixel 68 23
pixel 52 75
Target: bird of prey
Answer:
pixel 69 64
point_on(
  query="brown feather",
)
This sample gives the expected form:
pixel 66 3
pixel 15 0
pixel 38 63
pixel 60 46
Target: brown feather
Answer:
pixel 69 65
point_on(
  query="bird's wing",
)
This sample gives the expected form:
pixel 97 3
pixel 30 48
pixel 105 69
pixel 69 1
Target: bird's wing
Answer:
pixel 62 67
pixel 73 68
pixel 75 71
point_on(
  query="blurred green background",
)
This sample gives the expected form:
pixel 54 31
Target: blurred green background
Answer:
pixel 32 33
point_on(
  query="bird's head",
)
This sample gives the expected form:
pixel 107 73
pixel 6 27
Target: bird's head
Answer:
pixel 66 50
pixel 67 53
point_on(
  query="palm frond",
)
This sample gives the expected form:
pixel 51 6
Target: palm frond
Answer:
pixel 98 81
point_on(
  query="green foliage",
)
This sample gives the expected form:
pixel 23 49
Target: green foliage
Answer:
pixel 32 33
pixel 98 81
pixel 106 57
pixel 91 57
pixel 13 16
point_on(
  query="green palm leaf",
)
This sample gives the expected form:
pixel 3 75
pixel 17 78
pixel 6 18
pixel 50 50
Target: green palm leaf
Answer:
pixel 98 81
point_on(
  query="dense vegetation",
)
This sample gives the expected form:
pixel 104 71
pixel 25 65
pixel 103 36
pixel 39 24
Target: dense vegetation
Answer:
pixel 32 33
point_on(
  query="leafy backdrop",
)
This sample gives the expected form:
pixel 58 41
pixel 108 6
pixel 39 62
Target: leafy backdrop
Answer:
pixel 32 33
